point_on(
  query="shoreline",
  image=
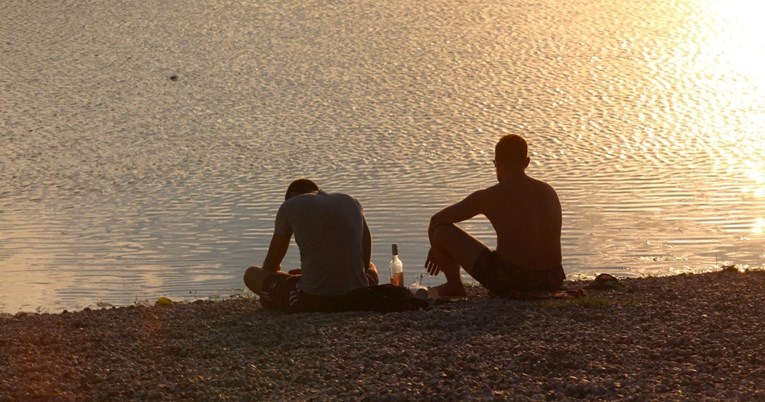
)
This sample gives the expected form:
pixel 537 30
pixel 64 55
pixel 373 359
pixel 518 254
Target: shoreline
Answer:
pixel 691 336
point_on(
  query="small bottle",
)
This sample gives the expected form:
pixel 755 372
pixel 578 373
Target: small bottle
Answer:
pixel 396 268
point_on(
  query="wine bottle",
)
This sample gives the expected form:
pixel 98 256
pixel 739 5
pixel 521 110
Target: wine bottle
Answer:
pixel 396 268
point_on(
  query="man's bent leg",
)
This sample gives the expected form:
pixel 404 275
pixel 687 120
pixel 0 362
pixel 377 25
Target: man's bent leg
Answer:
pixel 454 248
pixel 254 277
pixel 277 290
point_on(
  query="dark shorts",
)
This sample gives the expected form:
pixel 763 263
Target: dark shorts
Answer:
pixel 282 292
pixel 501 278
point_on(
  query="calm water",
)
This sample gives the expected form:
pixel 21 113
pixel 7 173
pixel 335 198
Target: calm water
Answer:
pixel 118 184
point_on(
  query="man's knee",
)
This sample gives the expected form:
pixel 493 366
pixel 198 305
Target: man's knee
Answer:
pixel 254 277
pixel 457 244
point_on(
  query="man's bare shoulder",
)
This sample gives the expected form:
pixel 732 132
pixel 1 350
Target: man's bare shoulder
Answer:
pixel 543 184
pixel 484 195
pixel 538 185
pixel 521 188
pixel 521 182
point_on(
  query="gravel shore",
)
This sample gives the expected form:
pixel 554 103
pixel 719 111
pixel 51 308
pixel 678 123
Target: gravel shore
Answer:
pixel 689 337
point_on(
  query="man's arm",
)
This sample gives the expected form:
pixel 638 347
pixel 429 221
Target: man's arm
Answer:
pixel 276 252
pixel 471 206
pixel 461 211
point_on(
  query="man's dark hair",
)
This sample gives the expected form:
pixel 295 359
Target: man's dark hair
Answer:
pixel 300 186
pixel 512 150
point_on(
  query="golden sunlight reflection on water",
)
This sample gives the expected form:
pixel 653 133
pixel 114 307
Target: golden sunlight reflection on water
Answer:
pixel 732 58
pixel 117 183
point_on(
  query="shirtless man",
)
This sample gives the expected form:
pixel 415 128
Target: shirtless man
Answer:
pixel 335 251
pixel 526 215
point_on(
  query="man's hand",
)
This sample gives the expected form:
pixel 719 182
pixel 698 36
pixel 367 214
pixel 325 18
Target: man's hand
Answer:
pixel 431 263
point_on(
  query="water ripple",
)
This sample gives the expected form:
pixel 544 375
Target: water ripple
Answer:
pixel 145 147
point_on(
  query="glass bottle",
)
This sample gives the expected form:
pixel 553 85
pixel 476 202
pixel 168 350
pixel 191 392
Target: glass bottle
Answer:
pixel 396 268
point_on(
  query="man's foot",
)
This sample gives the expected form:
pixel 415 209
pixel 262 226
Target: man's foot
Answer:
pixel 447 292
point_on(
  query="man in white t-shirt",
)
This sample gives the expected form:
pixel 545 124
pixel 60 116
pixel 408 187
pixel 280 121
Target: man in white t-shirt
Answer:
pixel 335 251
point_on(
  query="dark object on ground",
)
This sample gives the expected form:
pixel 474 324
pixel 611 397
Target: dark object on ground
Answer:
pixel 605 282
pixel 384 298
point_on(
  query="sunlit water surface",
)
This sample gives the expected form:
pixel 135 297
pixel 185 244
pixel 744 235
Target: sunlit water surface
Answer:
pixel 119 184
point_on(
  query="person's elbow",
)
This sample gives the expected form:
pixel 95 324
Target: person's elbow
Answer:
pixel 432 223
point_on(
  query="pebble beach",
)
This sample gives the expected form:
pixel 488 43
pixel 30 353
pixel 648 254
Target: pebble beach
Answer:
pixel 687 337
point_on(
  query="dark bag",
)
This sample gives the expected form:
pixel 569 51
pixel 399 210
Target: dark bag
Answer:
pixel 383 298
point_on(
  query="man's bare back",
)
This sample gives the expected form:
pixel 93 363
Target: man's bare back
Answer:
pixel 526 215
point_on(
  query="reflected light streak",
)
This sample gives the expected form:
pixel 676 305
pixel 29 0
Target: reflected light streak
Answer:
pixel 759 226
pixel 733 58
pixel 733 61
pixel 757 174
